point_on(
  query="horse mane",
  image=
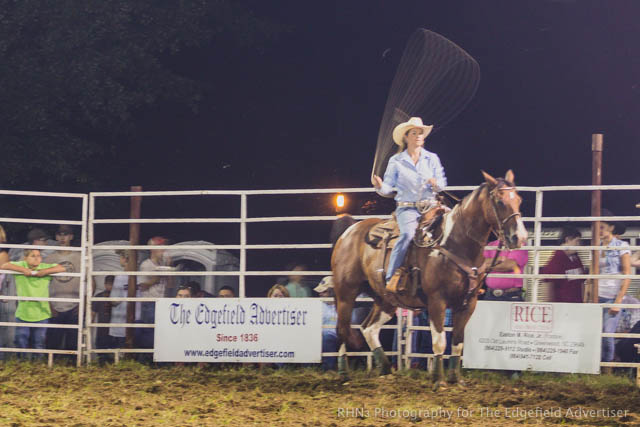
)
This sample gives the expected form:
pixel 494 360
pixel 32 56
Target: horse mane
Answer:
pixel 501 183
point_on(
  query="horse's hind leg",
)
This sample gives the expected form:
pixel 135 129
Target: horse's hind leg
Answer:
pixel 378 316
pixel 344 308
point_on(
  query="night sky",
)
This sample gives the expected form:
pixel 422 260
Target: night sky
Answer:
pixel 302 110
pixel 305 112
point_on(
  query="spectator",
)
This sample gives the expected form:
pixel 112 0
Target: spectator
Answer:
pixel 184 291
pixel 152 287
pixel 65 313
pixel 612 261
pixel 226 292
pixel 635 259
pixel 117 334
pixel 6 310
pixel 39 237
pixel 626 348
pixel 509 261
pixel 33 281
pixel 329 318
pixel 102 314
pixel 197 291
pixel 294 286
pixel 629 318
pixel 566 261
pixel 278 291
pixel 4 254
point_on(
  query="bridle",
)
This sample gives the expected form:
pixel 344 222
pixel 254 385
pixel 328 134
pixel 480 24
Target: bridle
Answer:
pixel 494 204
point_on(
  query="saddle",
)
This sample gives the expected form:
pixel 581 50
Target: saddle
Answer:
pixel 384 236
pixel 386 233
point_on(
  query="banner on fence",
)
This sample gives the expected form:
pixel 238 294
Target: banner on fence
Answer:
pixel 549 337
pixel 267 330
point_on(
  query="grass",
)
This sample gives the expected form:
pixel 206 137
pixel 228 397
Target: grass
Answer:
pixel 131 394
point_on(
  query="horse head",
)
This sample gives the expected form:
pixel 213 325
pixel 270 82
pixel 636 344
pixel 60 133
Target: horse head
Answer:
pixel 502 210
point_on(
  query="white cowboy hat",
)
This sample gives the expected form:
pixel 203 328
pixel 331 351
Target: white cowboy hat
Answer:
pixel 402 128
pixel 325 283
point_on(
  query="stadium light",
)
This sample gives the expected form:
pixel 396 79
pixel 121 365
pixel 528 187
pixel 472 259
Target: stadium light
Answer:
pixel 340 202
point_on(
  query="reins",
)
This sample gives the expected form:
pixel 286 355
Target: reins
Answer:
pixel 477 275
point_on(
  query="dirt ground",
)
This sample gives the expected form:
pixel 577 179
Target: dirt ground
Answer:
pixel 131 394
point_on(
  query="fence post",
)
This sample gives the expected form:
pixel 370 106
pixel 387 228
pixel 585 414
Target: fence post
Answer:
pixel 90 243
pixel 596 179
pixel 537 239
pixel 243 243
pixel 132 264
pixel 84 283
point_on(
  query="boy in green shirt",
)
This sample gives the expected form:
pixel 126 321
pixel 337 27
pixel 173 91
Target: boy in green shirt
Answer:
pixel 33 281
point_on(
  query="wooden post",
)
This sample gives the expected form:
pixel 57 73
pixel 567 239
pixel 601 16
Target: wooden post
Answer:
pixel 596 179
pixel 132 264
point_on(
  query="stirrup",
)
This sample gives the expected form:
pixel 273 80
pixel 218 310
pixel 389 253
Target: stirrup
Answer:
pixel 392 284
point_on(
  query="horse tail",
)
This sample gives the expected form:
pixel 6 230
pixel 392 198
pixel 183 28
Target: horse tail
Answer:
pixel 339 226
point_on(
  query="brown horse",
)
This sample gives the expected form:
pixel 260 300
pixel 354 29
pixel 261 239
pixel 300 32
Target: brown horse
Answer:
pixel 449 272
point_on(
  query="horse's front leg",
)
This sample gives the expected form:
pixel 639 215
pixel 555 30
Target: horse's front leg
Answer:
pixel 437 309
pixel 460 319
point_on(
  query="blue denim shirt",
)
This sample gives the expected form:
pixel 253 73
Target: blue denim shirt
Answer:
pixel 411 180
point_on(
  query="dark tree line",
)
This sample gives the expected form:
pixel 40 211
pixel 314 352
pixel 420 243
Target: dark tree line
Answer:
pixel 81 80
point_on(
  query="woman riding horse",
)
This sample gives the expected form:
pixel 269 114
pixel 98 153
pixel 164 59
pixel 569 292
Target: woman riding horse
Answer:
pixel 415 174
pixel 450 272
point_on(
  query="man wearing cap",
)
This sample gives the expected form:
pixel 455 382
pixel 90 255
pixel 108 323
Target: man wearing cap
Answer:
pixel 152 287
pixel 415 174
pixel 65 313
pixel 39 237
pixel 329 318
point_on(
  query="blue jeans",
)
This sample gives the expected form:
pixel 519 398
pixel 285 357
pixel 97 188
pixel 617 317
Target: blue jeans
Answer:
pixel 329 345
pixel 23 335
pixel 609 325
pixel 407 222
pixel 144 336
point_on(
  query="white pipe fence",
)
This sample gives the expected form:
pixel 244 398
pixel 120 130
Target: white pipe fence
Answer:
pixel 82 211
pixel 89 249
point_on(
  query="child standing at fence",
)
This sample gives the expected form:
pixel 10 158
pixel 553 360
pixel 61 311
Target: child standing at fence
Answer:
pixel 33 281
pixel 612 261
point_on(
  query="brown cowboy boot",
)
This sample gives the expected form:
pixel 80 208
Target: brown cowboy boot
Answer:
pixel 398 282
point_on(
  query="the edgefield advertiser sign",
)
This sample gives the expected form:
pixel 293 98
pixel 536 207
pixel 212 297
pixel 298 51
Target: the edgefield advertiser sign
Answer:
pixel 539 337
pixel 238 330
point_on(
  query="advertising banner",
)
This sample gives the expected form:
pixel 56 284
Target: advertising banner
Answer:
pixel 550 337
pixel 267 330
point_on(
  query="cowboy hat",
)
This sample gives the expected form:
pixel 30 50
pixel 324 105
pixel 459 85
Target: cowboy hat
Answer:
pixel 414 122
pixel 325 283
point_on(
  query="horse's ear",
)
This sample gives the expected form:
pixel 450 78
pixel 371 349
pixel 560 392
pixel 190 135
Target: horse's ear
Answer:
pixel 490 180
pixel 510 177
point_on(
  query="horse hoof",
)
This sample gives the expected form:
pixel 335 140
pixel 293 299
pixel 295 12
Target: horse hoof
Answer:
pixel 438 384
